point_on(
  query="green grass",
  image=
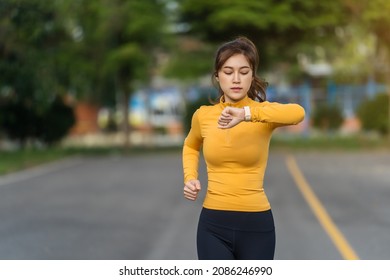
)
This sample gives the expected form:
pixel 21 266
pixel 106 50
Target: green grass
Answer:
pixel 336 143
pixel 11 161
pixel 16 160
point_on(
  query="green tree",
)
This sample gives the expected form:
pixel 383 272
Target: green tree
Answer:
pixel 117 45
pixel 93 49
pixel 31 41
pixel 278 28
pixel 189 59
pixel 373 17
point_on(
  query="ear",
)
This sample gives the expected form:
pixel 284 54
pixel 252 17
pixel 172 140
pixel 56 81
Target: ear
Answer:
pixel 216 77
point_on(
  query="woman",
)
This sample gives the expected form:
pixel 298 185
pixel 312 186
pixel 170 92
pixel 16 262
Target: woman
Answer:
pixel 236 220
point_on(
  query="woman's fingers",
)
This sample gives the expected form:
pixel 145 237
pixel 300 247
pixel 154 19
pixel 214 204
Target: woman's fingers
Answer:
pixel 191 189
pixel 230 117
pixel 225 118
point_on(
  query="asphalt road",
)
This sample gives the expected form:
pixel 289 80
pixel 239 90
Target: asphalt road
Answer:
pixel 118 208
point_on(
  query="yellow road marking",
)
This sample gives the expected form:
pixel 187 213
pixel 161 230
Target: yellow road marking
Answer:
pixel 320 212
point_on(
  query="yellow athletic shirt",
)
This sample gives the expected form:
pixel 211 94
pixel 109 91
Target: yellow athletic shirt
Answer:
pixel 236 158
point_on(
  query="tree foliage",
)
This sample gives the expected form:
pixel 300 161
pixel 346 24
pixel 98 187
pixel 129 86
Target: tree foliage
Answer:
pixel 91 49
pixel 276 27
pixel 115 44
pixel 373 17
pixel 31 43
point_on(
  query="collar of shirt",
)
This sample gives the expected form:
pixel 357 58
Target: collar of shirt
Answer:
pixel 239 104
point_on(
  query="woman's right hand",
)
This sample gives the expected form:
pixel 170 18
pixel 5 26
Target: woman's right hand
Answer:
pixel 191 189
pixel 230 117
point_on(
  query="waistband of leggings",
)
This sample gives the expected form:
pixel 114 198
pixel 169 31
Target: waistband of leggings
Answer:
pixel 237 220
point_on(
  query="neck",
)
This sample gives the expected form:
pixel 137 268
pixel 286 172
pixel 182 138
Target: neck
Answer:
pixel 239 104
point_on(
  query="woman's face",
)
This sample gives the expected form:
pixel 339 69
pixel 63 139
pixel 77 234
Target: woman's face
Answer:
pixel 235 78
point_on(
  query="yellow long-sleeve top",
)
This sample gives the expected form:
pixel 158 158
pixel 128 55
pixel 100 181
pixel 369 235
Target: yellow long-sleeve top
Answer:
pixel 236 158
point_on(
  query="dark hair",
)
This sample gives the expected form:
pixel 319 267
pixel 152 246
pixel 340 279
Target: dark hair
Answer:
pixel 241 45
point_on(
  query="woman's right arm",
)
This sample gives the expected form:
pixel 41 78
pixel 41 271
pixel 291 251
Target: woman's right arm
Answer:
pixel 190 158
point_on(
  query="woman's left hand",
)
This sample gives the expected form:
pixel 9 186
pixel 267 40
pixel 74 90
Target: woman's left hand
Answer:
pixel 230 117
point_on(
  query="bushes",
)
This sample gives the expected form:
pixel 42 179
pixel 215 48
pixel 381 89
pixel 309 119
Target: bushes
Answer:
pixel 22 121
pixel 374 114
pixel 327 117
pixel 19 120
pixel 56 122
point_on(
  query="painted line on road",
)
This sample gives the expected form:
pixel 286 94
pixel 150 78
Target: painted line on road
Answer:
pixel 320 212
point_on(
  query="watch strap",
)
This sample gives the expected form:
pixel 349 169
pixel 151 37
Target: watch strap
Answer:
pixel 247 113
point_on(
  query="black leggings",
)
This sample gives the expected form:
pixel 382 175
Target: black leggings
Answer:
pixel 229 235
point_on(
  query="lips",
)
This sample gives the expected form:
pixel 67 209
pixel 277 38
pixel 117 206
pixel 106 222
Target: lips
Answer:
pixel 235 88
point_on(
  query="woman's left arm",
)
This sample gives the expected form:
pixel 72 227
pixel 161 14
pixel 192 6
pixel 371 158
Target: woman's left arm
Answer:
pixel 277 113
pixel 272 113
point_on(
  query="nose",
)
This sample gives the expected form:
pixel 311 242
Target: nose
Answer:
pixel 236 78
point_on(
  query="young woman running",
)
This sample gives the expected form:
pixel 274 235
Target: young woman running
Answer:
pixel 236 220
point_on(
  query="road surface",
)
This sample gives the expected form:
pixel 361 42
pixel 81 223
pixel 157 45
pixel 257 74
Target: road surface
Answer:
pixel 326 206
